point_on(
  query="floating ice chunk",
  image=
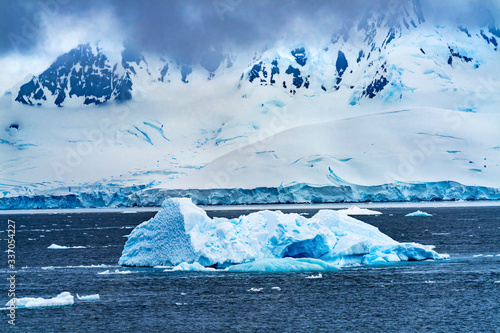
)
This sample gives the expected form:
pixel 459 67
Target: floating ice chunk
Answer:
pixel 57 247
pixel 60 247
pixel 268 241
pixel 276 288
pixel 88 298
pixel 284 265
pixel 256 290
pixel 106 272
pixel 354 210
pixel 319 276
pixel 117 271
pixel 62 299
pixel 194 267
pixel 89 266
pixel 418 213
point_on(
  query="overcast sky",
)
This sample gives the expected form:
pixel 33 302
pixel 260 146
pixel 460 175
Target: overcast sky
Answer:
pixel 34 32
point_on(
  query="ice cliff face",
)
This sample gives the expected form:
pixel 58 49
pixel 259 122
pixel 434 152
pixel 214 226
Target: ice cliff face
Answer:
pixel 183 233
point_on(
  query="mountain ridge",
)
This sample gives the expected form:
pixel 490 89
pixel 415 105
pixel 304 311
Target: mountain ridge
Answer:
pixel 358 58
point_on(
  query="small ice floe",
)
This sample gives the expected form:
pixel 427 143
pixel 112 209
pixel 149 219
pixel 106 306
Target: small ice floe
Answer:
pixel 88 298
pixel 89 266
pixel 183 294
pixel 194 267
pixel 60 247
pixel 354 210
pixel 129 212
pixel 163 267
pixel 62 299
pixel 117 271
pixel 256 290
pixel 418 213
pixel 319 276
pixel 276 288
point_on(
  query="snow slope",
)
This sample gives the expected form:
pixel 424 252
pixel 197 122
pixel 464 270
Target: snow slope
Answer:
pixel 390 107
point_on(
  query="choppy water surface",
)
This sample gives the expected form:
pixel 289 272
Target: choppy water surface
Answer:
pixel 460 294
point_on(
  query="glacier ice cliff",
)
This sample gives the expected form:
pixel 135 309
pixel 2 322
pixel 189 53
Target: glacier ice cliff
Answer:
pixel 268 241
pixel 143 196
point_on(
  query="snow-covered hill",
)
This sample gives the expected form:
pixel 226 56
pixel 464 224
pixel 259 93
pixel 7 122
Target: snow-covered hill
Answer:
pixel 389 100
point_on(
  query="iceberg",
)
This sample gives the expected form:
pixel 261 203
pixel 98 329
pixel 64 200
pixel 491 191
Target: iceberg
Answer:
pixel 88 298
pixel 117 271
pixel 256 290
pixel 62 299
pixel 181 234
pixel 319 276
pixel 418 213
pixel 354 210
pixel 61 247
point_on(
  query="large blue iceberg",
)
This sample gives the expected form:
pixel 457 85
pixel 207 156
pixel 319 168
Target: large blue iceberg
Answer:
pixel 266 240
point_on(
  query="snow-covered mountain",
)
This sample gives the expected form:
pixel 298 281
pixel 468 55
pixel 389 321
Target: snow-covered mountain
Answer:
pixel 388 100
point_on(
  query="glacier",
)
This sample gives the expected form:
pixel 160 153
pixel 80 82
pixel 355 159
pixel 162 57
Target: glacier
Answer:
pixel 377 111
pixel 181 234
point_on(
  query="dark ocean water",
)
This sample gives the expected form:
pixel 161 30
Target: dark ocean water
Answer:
pixel 457 295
